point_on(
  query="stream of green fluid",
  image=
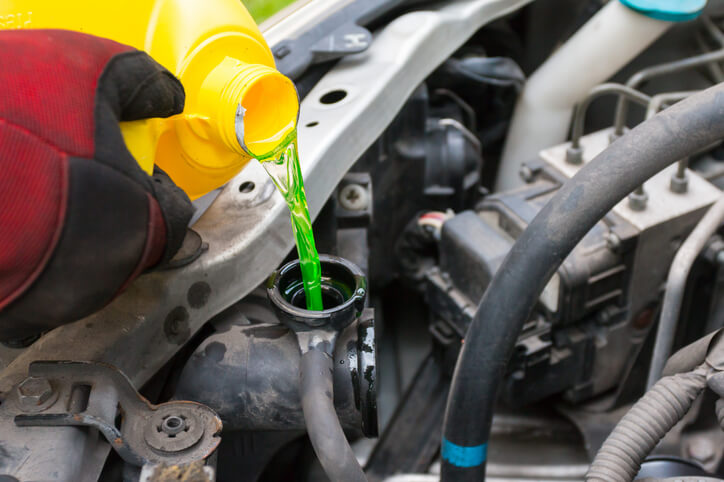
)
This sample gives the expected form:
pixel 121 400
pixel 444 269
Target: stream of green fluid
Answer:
pixel 283 167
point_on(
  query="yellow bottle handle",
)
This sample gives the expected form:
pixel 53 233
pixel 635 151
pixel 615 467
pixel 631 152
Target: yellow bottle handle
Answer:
pixel 141 138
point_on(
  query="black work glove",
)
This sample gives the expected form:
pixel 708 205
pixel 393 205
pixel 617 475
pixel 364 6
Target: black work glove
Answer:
pixel 79 218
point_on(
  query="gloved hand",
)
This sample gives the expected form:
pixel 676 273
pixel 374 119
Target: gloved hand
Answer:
pixel 79 219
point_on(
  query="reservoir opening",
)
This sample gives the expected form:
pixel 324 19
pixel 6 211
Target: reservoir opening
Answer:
pixel 338 284
pixel 331 297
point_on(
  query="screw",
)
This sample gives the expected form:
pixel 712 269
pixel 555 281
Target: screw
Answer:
pixel 34 391
pixel 353 197
pixel 701 450
pixel 526 174
pixel 613 242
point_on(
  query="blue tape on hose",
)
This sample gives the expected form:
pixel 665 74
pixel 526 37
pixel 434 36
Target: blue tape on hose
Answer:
pixel 460 456
pixel 668 10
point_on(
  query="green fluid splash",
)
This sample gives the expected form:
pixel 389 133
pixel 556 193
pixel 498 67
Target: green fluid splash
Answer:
pixel 283 167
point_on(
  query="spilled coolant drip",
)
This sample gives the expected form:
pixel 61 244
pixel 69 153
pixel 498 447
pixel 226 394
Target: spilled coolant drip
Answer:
pixel 283 167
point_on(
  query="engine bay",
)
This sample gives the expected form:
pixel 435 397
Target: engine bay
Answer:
pixel 519 223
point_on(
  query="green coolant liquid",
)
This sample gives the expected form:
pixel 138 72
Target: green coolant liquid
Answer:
pixel 283 167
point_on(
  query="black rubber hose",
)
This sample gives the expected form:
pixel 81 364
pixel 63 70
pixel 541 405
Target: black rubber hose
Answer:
pixel 329 442
pixel 643 427
pixel 673 134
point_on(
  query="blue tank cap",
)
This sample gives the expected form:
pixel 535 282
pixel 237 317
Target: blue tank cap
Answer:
pixel 668 10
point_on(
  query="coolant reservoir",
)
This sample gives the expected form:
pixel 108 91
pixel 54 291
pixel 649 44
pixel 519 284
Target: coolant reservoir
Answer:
pixel 216 50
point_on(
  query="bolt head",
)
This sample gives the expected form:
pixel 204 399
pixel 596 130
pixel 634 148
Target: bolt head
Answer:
pixel 353 197
pixel 34 391
pixel 637 200
pixel 679 185
pixel 526 174
pixel 574 155
pixel 613 242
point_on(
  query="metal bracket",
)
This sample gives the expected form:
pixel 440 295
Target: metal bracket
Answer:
pixel 340 34
pixel 101 396
pixel 293 57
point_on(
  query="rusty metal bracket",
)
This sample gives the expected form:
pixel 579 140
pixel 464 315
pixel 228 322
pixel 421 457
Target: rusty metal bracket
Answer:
pixel 101 396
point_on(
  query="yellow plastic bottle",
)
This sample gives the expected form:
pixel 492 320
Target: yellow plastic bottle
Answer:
pixel 216 50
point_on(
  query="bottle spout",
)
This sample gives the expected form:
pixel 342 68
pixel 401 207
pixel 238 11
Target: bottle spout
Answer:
pixel 266 116
pixel 239 111
pixel 257 106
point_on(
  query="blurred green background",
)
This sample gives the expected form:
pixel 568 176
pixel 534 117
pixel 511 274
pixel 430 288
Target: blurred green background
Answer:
pixel 263 9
